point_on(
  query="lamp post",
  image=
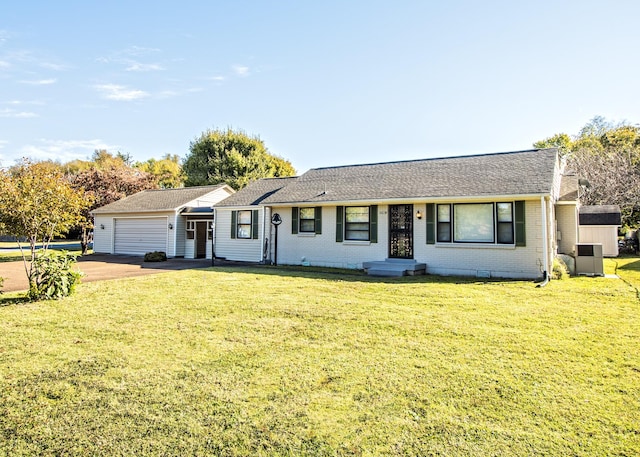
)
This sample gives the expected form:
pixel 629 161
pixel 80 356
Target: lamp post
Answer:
pixel 276 220
pixel 213 251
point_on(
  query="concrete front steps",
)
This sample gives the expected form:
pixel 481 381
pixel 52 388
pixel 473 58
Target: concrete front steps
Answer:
pixel 394 267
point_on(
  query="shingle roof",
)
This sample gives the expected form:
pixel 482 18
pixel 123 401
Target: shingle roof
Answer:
pixel 600 215
pixel 157 200
pixel 256 192
pixel 514 173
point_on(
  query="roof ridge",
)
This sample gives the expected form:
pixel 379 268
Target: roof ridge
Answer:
pixel 430 159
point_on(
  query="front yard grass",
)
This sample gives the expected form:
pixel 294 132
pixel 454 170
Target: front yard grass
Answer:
pixel 231 361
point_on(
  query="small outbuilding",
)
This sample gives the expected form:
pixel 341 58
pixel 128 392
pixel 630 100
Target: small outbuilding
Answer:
pixel 175 221
pixel 600 224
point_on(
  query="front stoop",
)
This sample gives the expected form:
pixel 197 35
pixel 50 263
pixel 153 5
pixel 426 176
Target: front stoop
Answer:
pixel 394 267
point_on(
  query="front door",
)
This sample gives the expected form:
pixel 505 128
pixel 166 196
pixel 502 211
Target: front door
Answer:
pixel 201 240
pixel 401 231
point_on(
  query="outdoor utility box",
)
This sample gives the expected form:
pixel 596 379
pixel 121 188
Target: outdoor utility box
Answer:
pixel 589 259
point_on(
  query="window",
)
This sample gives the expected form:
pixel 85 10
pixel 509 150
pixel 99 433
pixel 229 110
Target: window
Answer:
pixel 500 223
pixel 444 223
pixel 191 230
pixel 356 223
pixel 505 223
pixel 473 223
pixel 244 224
pixel 307 220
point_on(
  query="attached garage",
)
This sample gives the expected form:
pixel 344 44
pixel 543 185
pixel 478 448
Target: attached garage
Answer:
pixel 174 221
pixel 137 236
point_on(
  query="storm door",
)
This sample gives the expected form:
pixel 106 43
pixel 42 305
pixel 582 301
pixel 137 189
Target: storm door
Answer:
pixel 401 231
pixel 201 240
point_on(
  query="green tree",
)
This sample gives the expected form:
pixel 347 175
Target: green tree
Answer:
pixel 104 186
pixel 168 171
pixel 232 157
pixel 37 204
pixel 608 156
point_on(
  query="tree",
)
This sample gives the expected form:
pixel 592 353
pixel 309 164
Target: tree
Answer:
pixel 105 186
pixel 608 156
pixel 36 204
pixel 167 171
pixel 231 157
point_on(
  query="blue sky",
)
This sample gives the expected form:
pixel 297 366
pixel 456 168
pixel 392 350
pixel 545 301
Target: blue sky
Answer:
pixel 322 83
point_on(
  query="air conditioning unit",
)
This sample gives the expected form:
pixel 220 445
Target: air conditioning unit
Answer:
pixel 589 259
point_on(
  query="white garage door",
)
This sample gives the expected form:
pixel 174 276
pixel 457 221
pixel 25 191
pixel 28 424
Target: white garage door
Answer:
pixel 137 236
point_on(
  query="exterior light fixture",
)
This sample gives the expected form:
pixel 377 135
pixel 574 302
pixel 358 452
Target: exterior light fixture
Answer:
pixel 101 226
pixel 170 226
pixel 419 214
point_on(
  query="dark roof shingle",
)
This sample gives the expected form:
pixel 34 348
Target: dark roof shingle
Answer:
pixel 514 173
pixel 157 200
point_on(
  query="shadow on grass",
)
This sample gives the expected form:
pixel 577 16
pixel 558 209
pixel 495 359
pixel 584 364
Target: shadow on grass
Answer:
pixel 634 266
pixel 338 275
pixel 13 299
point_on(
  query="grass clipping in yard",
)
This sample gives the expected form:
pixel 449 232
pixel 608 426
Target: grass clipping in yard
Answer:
pixel 268 362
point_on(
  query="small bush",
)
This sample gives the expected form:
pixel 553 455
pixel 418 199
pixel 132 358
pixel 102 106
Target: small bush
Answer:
pixel 53 277
pixel 559 270
pixel 155 256
pixel 1 283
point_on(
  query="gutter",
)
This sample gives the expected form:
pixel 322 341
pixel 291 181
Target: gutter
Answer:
pixel 545 244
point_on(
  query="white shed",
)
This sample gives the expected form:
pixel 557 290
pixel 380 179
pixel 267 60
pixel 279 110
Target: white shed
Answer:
pixel 600 224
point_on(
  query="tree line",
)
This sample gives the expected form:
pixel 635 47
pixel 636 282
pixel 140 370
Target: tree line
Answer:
pixel 607 155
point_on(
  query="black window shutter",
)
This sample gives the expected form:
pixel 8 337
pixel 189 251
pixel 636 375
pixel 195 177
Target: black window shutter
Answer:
pixel 339 223
pixel 294 220
pixel 254 224
pixel 521 235
pixel 234 223
pixel 318 217
pixel 373 223
pixel 431 223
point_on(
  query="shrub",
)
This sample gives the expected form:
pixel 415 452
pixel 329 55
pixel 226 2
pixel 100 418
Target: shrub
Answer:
pixel 155 256
pixel 1 283
pixel 54 277
pixel 559 269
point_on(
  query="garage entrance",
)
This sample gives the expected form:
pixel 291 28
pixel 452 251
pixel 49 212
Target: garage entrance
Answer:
pixel 137 236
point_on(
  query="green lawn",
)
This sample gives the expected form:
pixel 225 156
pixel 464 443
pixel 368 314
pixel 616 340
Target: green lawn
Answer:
pixel 272 361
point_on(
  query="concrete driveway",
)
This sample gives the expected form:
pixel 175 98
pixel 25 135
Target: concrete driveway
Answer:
pixel 98 267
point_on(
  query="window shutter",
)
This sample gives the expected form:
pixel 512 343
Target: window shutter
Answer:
pixel 339 223
pixel 431 223
pixel 521 235
pixel 294 220
pixel 318 217
pixel 373 223
pixel 234 224
pixel 254 224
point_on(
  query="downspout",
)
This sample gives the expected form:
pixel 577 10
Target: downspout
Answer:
pixel 214 232
pixel 264 234
pixel 545 243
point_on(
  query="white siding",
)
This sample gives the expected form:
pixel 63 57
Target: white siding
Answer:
pixel 243 250
pixel 446 259
pixel 103 234
pixel 567 228
pixel 137 236
pixel 607 235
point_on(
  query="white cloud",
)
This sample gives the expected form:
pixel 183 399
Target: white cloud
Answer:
pixel 3 143
pixel 64 150
pixel 4 64
pixel 137 66
pixel 40 82
pixel 8 112
pixel 241 70
pixel 120 93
